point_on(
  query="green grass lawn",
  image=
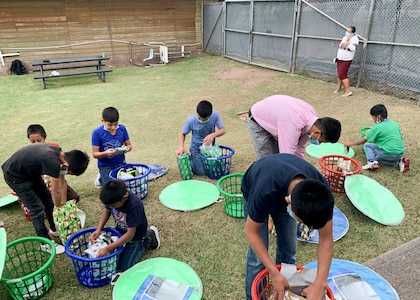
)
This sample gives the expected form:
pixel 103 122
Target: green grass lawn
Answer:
pixel 153 104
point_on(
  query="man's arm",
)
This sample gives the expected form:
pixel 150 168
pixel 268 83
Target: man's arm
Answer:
pixel 58 189
pixel 348 144
pixel 280 283
pixel 288 137
pixel 316 291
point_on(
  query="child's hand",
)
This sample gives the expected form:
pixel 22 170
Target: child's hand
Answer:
pixel 93 237
pixel 103 252
pixel 208 140
pixel 346 148
pixel 179 151
pixel 110 152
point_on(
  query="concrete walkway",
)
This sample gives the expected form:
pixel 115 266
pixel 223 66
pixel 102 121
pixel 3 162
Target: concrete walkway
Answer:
pixel 401 268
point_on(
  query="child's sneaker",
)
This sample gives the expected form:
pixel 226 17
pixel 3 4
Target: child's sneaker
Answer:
pixel 53 234
pixel 97 182
pixel 153 233
pixel 371 165
pixel 59 249
pixel 404 164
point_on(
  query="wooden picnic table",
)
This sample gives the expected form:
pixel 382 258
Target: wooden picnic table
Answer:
pixel 84 65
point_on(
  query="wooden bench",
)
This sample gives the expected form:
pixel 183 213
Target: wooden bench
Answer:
pixel 68 64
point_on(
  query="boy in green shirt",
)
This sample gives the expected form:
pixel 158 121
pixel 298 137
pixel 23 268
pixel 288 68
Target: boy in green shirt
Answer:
pixel 383 143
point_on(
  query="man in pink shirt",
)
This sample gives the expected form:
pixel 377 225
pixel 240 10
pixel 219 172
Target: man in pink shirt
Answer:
pixel 283 124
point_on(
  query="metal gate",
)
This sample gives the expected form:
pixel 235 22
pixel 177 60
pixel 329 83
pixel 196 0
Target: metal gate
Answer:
pixel 290 35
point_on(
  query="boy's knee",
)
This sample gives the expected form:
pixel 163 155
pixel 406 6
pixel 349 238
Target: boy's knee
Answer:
pixel 198 168
pixel 199 172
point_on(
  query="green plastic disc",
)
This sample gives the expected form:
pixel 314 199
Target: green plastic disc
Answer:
pixel 189 195
pixel 374 200
pixel 6 200
pixel 322 149
pixel 131 280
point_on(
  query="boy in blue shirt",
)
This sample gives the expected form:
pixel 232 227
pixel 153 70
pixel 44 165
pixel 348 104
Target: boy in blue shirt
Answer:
pixel 130 220
pixel 203 127
pixel 110 142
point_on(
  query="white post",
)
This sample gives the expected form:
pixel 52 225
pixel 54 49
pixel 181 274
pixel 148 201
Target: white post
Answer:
pixel 5 55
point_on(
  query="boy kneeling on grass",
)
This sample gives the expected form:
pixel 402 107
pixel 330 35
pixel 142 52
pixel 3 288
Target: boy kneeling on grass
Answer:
pixel 130 219
pixel 384 143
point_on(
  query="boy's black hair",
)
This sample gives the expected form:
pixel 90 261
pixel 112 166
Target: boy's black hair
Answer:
pixel 36 129
pixel 379 110
pixel 78 161
pixel 312 202
pixel 353 29
pixel 330 129
pixel 112 191
pixel 204 109
pixel 110 114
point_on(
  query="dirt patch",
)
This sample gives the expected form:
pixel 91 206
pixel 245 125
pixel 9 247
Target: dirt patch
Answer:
pixel 249 78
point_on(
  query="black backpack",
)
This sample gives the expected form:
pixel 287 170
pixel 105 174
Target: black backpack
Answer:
pixel 18 68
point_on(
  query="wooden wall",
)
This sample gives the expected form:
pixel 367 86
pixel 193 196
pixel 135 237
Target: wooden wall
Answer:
pixel 41 29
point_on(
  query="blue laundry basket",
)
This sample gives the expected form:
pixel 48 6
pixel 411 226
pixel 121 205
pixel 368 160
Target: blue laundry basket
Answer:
pixel 92 272
pixel 139 184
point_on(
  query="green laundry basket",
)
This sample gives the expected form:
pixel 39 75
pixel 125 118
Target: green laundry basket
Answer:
pixel 27 273
pixel 230 188
pixel 363 132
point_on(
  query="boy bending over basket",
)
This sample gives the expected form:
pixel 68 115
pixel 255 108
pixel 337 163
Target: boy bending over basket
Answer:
pixel 130 219
pixel 23 171
pixel 290 190
pixel 37 134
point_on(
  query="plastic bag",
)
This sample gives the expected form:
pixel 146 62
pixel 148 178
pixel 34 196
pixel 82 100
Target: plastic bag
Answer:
pixel 67 219
pixel 211 151
pixel 128 173
pixel 101 242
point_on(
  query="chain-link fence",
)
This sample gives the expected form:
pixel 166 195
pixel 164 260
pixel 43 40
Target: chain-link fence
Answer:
pixel 302 36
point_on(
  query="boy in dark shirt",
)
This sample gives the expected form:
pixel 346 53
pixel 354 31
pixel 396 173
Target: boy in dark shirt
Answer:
pixel 37 134
pixel 130 219
pixel 290 190
pixel 23 171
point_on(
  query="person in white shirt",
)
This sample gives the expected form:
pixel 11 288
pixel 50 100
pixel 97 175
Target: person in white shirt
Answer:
pixel 345 54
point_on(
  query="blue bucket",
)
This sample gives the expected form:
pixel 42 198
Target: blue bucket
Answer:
pixel 92 272
pixel 139 184
pixel 217 167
